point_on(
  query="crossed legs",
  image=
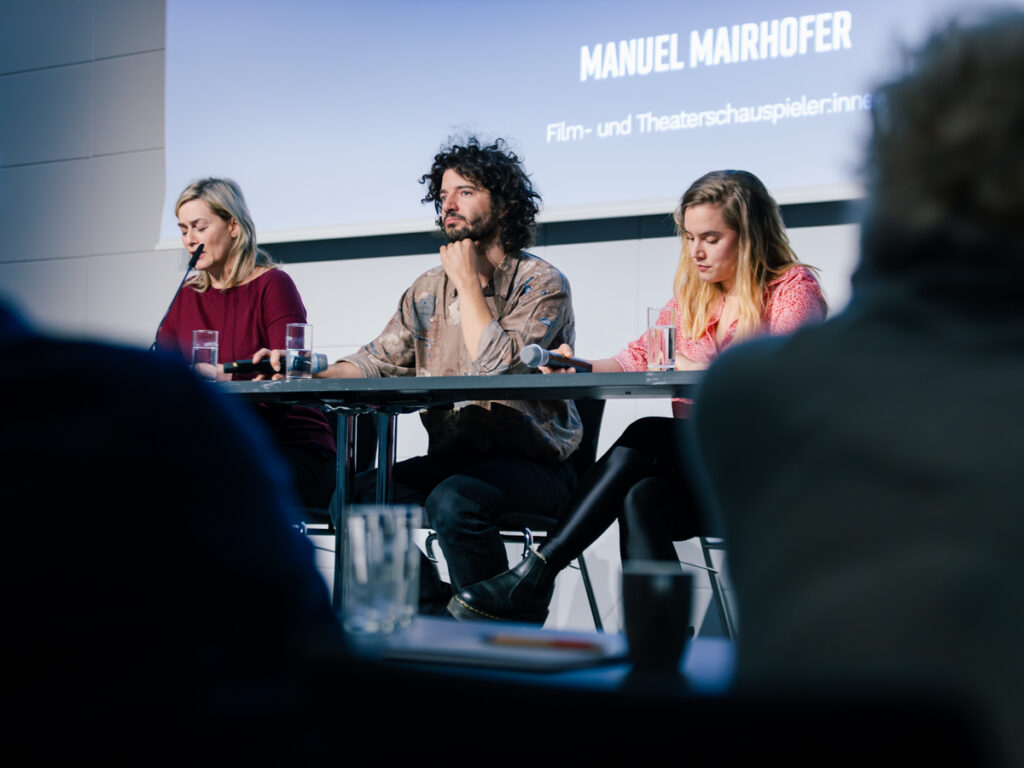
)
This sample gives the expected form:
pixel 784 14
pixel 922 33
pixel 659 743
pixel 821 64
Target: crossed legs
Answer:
pixel 641 480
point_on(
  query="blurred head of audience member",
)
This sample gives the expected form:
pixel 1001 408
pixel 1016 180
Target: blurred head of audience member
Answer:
pixel 945 166
pixel 876 540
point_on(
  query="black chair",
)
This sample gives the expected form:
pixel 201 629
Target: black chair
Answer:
pixel 717 590
pixel 724 622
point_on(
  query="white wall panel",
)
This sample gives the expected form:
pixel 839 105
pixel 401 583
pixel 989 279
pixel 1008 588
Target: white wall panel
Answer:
pixel 128 111
pixel 48 293
pixel 124 200
pixel 45 33
pixel 126 294
pixel 46 115
pixel 129 26
pixel 46 214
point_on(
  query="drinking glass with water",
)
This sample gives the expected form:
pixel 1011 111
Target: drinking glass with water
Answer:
pixel 298 344
pixel 661 339
pixel 205 345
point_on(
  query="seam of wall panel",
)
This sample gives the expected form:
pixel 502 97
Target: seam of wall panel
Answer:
pixel 92 95
pixel 93 60
pixel 128 55
pixel 62 65
pixel 75 158
pixel 73 257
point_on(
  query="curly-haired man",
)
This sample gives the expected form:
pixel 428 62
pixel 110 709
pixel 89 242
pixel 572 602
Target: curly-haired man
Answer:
pixel 472 315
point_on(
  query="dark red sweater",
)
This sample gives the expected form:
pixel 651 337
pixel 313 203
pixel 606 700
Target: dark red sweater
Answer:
pixel 248 317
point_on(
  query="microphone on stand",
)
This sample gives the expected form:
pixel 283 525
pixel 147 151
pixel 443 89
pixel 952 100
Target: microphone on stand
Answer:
pixel 191 265
pixel 194 260
pixel 534 356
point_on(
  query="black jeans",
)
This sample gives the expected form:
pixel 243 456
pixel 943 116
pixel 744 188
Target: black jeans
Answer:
pixel 314 472
pixel 467 495
pixel 644 481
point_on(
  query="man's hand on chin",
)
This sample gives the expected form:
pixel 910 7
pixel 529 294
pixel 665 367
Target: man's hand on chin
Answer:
pixel 459 259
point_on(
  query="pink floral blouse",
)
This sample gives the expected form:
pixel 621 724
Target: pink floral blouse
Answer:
pixel 794 298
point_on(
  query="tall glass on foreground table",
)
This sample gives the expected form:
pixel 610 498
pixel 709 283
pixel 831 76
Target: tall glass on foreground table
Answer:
pixel 381 568
pixel 656 600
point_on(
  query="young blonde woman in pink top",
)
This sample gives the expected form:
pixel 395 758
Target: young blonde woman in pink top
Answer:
pixel 738 277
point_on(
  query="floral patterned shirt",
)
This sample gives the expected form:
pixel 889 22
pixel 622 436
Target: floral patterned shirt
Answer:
pixel 531 303
pixel 794 298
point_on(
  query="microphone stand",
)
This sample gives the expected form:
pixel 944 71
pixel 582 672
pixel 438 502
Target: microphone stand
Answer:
pixel 191 265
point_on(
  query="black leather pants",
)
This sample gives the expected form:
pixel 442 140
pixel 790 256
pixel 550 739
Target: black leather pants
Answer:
pixel 644 481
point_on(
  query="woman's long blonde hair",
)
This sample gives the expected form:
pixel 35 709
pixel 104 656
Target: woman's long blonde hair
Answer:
pixel 764 250
pixel 225 198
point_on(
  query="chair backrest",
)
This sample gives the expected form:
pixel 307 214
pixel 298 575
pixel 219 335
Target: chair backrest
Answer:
pixel 591 413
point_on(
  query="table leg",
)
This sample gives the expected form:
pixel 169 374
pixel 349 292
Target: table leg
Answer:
pixel 346 445
pixel 387 432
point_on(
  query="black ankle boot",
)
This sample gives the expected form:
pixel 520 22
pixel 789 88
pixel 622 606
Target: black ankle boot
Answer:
pixel 519 594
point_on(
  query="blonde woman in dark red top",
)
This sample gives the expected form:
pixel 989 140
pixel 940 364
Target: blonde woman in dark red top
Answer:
pixel 240 292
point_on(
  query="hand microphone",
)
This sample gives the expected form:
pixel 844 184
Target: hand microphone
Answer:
pixel 534 356
pixel 191 265
pixel 316 364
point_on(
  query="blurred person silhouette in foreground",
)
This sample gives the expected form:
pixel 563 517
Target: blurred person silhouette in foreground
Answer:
pixel 158 601
pixel 878 543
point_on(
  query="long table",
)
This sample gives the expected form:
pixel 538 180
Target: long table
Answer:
pixel 389 397
pixel 416 392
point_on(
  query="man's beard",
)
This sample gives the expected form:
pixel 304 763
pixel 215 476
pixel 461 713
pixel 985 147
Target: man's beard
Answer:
pixel 480 229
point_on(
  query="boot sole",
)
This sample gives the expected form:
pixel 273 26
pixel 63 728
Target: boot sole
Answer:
pixel 465 612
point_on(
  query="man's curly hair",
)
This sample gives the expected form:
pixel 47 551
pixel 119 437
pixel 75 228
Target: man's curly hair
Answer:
pixel 498 170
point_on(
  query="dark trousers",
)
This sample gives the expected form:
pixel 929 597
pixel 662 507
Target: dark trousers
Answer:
pixel 314 472
pixel 644 481
pixel 466 496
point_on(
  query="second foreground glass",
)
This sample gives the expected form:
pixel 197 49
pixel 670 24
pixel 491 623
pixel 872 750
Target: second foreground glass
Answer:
pixel 381 580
